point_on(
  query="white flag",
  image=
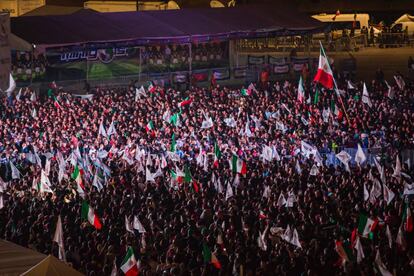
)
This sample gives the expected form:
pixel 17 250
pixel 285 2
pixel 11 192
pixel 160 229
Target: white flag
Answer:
pixel 58 238
pixel 380 265
pixel 128 225
pixel 15 172
pixel 350 85
pixel 102 130
pixel 149 177
pixel 388 194
pixel 360 251
pixel 291 237
pixel 19 95
pixel 12 85
pixel 365 96
pixel 33 97
pixel 298 168
pixel 34 113
pixel 408 189
pixel 139 92
pixel 138 225
pixel 397 169
pixel 111 130
pixel 400 82
pixel 366 193
pixel 207 123
pixel 267 153
pixel 295 239
pixel 266 192
pixel 360 156
pixel 229 191
pixel 344 157
pixel 1 202
pixel 389 236
pixel 391 92
pixel 314 170
pixel 261 242
pixel 97 182
pixel 45 183
pixel 47 166
pixel 291 199
pixel 281 201
pixel 230 122
pixel 247 130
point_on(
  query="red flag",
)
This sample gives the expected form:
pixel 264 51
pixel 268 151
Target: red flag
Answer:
pixel 195 186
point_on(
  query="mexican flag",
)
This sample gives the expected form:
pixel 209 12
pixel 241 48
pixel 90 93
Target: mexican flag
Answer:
pixel 366 226
pixel 238 165
pixel 210 258
pixel 245 92
pixel 76 175
pixel 56 103
pixel 150 128
pixel 217 155
pixel 173 146
pixel 151 87
pixel 408 219
pixel 187 101
pixel 178 177
pixel 324 75
pixel 301 91
pixel 89 214
pixel 129 265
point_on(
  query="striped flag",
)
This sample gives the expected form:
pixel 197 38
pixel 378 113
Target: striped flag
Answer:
pixel 129 265
pixel 88 214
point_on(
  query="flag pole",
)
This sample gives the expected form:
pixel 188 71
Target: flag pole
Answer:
pixel 334 81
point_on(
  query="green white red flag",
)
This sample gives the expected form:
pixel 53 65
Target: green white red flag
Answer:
pixel 238 165
pixel 88 214
pixel 187 101
pixel 129 265
pixel 324 75
pixel 150 128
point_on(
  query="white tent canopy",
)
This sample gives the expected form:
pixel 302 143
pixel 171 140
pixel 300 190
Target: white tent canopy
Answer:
pixel 405 18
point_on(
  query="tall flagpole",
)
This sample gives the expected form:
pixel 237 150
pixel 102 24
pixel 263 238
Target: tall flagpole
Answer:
pixel 334 81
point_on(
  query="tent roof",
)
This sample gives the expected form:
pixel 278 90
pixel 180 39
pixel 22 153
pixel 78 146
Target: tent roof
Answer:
pixel 405 18
pixel 162 26
pixel 50 266
pixel 52 10
pixel 15 259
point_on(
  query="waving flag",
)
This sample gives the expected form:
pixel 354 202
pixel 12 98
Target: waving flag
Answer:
pixel 324 75
pixel 187 101
pixel 301 90
pixel 89 214
pixel 129 265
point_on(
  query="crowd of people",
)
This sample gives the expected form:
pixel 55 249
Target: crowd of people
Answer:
pixel 28 67
pixel 212 181
pixel 178 57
